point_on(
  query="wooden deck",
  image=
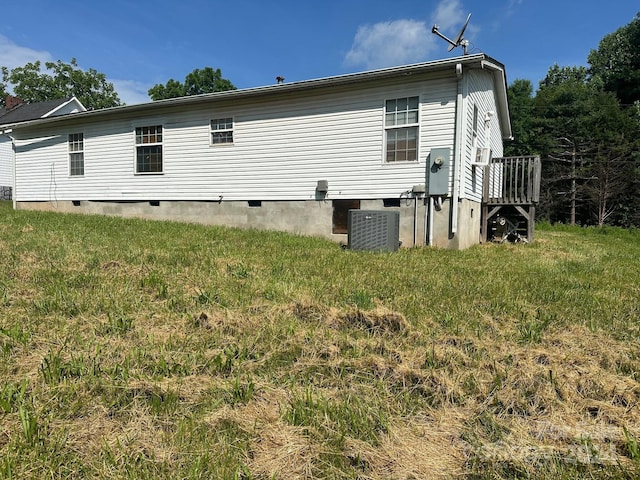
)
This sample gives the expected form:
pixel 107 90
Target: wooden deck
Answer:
pixel 511 190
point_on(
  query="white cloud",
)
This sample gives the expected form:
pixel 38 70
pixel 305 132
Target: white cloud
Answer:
pixel 512 5
pixel 404 41
pixel 13 55
pixel 131 92
pixel 449 16
pixel 390 43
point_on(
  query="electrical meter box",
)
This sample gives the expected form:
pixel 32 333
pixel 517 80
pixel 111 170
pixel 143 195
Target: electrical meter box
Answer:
pixel 438 168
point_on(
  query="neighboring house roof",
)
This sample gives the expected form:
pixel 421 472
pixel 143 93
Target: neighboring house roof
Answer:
pixel 479 60
pixel 33 111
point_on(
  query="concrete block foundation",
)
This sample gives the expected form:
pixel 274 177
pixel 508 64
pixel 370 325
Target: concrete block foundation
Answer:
pixel 311 217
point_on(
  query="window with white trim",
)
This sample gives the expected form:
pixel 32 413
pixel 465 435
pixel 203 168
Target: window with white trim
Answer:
pixel 76 154
pixel 221 131
pixel 475 151
pixel 149 149
pixel 401 129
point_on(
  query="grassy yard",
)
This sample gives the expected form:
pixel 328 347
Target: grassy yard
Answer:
pixel 137 349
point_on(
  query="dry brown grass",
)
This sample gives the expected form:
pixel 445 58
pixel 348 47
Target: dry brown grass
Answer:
pixel 202 359
pixel 557 399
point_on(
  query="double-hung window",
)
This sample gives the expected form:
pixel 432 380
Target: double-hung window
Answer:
pixel 76 154
pixel 149 149
pixel 401 129
pixel 221 131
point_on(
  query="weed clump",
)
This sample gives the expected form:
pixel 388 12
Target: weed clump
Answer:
pixel 380 321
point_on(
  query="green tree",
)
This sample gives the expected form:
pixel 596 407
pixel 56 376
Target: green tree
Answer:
pixel 587 142
pixel 172 89
pixel 611 186
pixel 206 80
pixel 562 105
pixel 521 104
pixel 3 94
pixel 616 62
pixel 61 80
pixel 558 76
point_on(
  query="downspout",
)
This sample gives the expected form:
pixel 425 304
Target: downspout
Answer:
pixel 13 171
pixel 457 166
pixel 429 212
pixel 415 220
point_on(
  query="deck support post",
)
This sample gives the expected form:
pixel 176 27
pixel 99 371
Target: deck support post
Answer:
pixel 512 184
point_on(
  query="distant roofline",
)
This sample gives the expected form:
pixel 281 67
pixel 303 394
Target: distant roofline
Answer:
pixel 33 111
pixel 64 104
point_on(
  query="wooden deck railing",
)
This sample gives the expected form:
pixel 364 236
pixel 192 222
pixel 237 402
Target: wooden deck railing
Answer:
pixel 512 181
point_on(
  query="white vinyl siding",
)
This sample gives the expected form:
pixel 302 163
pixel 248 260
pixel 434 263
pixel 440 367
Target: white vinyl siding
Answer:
pixel 481 95
pixel 6 161
pixel 281 147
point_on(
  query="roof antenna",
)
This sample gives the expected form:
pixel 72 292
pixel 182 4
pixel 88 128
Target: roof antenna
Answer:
pixel 459 41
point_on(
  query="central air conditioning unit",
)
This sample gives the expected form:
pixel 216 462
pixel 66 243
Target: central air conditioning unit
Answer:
pixel 374 230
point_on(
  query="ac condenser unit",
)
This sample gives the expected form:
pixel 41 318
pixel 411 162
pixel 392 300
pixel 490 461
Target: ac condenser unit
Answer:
pixel 374 230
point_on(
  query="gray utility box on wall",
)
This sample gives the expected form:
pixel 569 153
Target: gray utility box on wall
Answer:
pixel 374 230
pixel 438 172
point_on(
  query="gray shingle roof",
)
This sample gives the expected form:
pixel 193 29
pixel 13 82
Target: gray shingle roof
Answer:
pixel 30 111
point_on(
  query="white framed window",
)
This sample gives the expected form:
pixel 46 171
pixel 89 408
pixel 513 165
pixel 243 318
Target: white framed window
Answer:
pixel 221 131
pixel 475 121
pixel 475 151
pixel 76 154
pixel 149 149
pixel 401 129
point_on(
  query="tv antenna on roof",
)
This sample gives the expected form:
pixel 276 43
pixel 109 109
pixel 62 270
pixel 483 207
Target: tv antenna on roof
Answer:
pixel 459 41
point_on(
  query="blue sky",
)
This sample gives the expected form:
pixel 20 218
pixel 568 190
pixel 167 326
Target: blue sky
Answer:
pixel 140 43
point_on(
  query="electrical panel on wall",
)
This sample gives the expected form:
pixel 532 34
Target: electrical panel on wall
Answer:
pixel 438 168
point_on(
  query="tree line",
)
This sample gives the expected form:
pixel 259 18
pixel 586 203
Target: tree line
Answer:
pixel 33 83
pixel 584 122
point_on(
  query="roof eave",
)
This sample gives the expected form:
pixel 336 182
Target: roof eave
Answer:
pixel 502 100
pixel 338 80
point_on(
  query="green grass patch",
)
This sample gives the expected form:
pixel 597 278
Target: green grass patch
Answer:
pixel 138 349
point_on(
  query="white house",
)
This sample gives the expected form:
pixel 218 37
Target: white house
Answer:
pixel 17 111
pixel 290 156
